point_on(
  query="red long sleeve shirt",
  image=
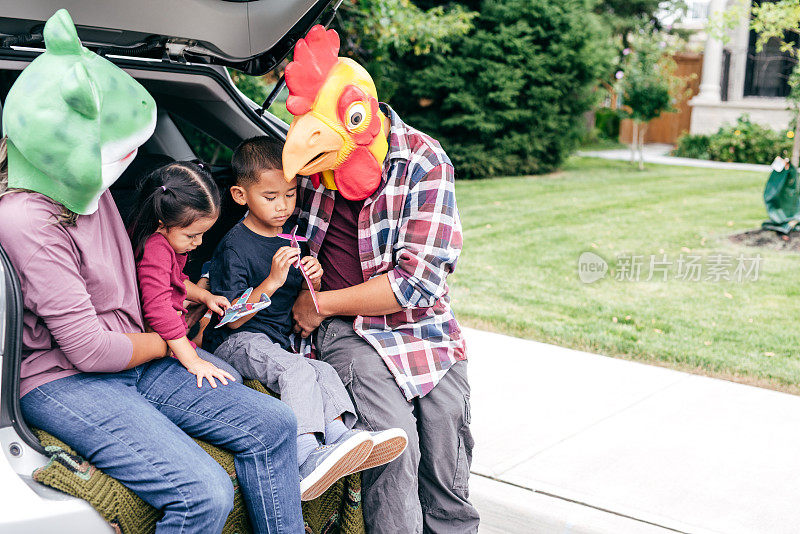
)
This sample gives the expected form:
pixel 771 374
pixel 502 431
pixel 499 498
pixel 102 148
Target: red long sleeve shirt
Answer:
pixel 162 283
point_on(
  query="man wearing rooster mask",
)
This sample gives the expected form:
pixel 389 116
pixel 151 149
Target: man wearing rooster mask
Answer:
pixel 379 211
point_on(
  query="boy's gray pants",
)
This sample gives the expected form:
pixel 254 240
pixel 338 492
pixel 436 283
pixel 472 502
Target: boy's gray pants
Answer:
pixel 311 388
pixel 426 489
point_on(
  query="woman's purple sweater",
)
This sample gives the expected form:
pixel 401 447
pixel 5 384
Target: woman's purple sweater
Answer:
pixel 78 286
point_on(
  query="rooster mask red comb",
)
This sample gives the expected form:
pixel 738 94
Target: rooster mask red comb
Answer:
pixel 338 131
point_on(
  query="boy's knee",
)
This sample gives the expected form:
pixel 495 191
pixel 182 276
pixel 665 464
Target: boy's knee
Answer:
pixel 285 419
pixel 300 369
pixel 324 371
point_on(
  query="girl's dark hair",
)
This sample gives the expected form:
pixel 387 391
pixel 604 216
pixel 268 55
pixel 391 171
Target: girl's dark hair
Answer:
pixel 174 195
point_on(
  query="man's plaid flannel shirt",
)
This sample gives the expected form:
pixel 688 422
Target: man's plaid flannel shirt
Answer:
pixel 410 229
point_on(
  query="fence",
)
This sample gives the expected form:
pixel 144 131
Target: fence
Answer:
pixel 669 126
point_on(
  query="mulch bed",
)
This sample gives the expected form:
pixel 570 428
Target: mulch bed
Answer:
pixel 768 239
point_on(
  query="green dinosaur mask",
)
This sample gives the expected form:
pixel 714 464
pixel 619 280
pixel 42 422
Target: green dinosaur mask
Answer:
pixel 74 121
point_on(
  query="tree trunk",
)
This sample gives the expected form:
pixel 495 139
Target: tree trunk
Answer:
pixel 642 130
pixel 634 140
pixel 796 143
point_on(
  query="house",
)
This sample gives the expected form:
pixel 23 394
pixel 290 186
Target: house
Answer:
pixel 737 80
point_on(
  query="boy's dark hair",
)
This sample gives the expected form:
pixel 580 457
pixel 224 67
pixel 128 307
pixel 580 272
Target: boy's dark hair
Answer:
pixel 176 194
pixel 254 156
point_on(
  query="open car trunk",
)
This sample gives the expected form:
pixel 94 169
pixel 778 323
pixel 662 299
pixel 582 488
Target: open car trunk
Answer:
pixel 250 36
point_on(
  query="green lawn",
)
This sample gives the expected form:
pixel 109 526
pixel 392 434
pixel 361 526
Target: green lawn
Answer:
pixel 523 236
pixel 603 144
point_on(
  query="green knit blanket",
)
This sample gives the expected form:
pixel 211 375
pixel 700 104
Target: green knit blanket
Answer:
pixel 338 510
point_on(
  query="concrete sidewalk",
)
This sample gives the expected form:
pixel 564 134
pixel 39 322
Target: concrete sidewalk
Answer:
pixel 567 441
pixel 658 153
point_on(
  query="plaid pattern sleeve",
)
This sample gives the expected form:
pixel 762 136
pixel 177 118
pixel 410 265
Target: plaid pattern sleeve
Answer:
pixel 408 229
pixel 429 240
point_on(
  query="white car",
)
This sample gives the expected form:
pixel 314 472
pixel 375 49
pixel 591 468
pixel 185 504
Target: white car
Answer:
pixel 179 51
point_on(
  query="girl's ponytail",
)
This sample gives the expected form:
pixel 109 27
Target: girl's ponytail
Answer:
pixel 174 195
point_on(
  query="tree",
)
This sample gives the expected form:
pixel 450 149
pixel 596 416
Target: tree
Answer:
pixel 626 16
pixel 781 20
pixel 510 96
pixel 376 33
pixel 649 87
pixel 627 19
pixel 770 20
pixel 258 88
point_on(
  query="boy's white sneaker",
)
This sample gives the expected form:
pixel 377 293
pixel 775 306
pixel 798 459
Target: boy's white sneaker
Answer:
pixel 328 463
pixel 387 445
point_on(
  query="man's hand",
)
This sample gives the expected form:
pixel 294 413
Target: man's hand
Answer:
pixel 373 297
pixel 306 318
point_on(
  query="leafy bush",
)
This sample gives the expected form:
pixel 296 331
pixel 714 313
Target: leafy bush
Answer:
pixel 743 142
pixel 607 122
pixel 377 33
pixel 509 97
pixel 257 89
pixel 693 146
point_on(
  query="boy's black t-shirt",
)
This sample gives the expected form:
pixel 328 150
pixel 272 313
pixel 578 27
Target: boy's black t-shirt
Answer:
pixel 243 259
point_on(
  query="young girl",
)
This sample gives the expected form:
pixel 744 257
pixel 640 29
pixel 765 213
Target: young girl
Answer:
pixel 176 205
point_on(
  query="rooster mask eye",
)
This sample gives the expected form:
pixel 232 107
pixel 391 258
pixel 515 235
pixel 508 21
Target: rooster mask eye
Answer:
pixel 356 118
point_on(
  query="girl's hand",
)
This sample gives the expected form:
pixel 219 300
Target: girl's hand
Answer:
pixel 203 369
pixel 281 261
pixel 312 267
pixel 217 303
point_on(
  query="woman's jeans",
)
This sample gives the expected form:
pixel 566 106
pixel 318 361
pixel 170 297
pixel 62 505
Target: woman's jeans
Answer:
pixel 135 426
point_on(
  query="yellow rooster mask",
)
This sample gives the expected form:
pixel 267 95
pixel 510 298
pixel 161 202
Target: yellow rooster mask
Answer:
pixel 338 130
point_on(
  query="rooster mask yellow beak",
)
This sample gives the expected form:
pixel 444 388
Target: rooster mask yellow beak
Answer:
pixel 338 134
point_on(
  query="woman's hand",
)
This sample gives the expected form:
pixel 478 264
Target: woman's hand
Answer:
pixel 203 369
pixel 216 303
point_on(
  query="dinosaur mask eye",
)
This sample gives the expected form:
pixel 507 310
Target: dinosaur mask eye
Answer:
pixel 357 117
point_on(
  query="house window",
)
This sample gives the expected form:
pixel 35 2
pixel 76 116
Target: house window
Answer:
pixel 696 11
pixel 767 72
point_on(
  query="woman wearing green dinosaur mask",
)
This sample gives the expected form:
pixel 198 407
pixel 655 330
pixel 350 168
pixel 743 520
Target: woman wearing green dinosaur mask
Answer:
pixel 89 374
